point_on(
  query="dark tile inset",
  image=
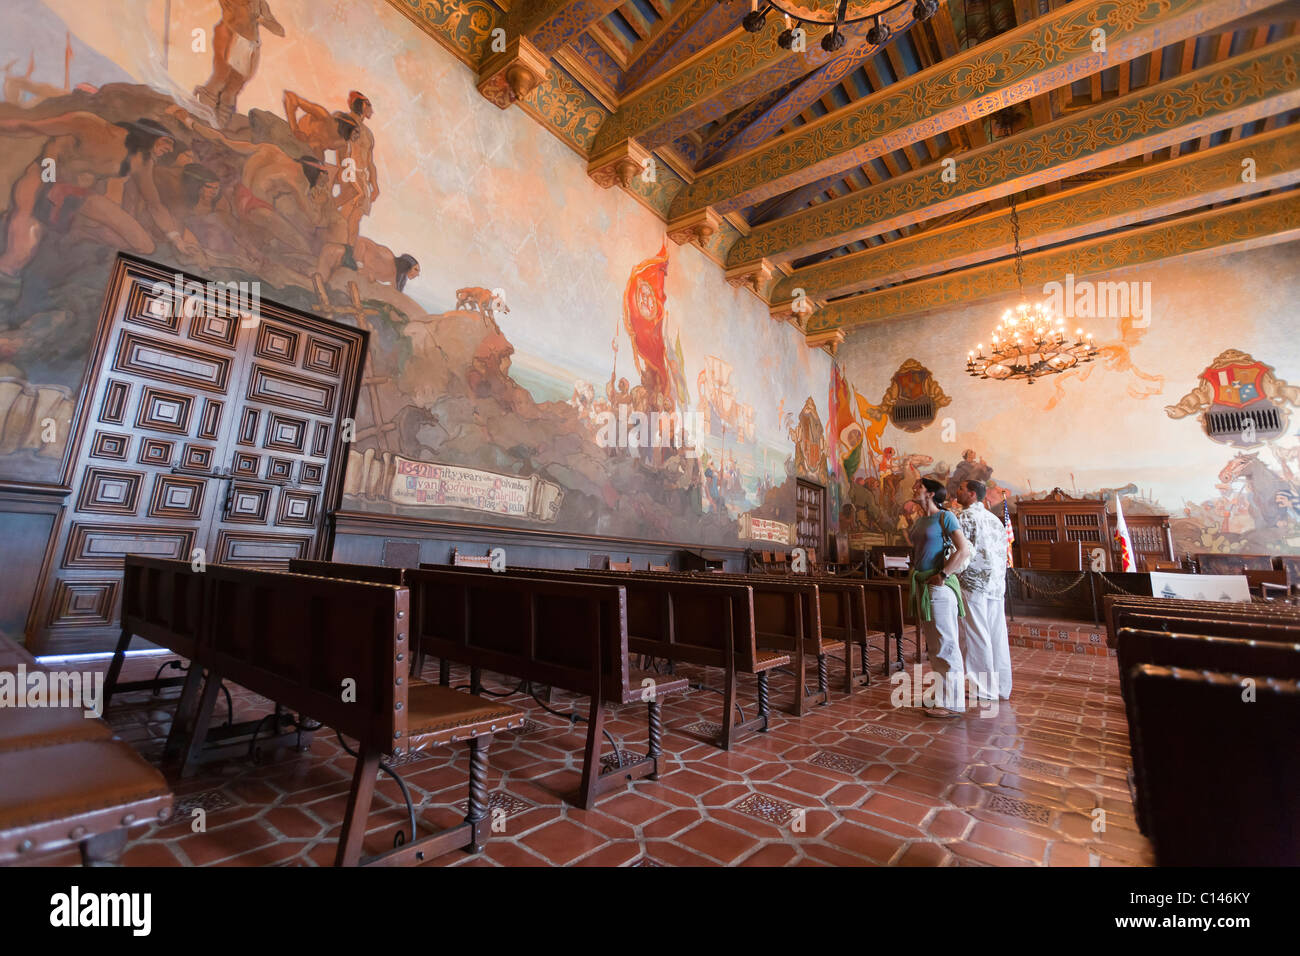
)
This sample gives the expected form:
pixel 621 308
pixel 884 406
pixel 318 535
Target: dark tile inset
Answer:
pixel 647 861
pixel 766 808
pixel 705 728
pixel 1029 764
pixel 610 761
pixel 1014 807
pixel 889 733
pixel 834 761
pixel 508 803
pixel 210 801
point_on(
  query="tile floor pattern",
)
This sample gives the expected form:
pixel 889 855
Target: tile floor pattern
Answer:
pixel 854 783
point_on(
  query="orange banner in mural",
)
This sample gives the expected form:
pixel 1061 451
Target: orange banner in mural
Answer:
pixel 643 317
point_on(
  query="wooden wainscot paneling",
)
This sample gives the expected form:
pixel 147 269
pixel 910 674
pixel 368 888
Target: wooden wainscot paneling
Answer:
pixel 28 519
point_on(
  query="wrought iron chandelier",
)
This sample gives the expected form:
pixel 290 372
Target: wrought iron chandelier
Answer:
pixel 838 13
pixel 1029 341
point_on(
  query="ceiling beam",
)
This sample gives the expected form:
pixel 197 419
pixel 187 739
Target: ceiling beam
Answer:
pixel 550 24
pixel 1257 222
pixel 1050 51
pixel 1246 88
pixel 728 75
pixel 700 24
pixel 1143 195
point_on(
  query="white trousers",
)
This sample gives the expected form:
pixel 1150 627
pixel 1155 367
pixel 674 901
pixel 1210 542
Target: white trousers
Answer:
pixel 988 650
pixel 941 643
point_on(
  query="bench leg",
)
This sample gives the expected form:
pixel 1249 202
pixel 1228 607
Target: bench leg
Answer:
pixel 728 707
pixel 105 849
pixel 202 720
pixel 183 718
pixel 476 680
pixel 823 678
pixel 478 793
pixel 655 718
pixel 358 809
pixel 800 673
pixel 591 756
pixel 763 707
pixel 444 672
pixel 115 668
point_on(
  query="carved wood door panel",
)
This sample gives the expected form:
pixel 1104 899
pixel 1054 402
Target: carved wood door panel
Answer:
pixel 199 429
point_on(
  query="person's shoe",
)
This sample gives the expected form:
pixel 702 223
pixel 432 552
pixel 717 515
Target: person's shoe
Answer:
pixel 940 713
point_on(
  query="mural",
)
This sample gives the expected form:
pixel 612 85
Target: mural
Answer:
pixel 1101 431
pixel 493 390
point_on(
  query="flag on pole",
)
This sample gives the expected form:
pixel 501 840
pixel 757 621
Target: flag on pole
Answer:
pixel 1123 540
pixel 1011 533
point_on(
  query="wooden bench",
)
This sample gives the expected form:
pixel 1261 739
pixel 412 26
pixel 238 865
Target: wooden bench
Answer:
pixel 843 621
pixel 164 601
pixel 1123 607
pixel 1219 775
pixel 787 619
pixel 700 621
pixel 560 633
pixel 336 650
pixel 1243 655
pixel 66 781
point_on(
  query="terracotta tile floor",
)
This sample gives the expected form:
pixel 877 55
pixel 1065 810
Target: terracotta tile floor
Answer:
pixel 854 783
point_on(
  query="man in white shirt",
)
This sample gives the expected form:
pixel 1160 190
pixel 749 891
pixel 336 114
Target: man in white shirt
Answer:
pixel 984 584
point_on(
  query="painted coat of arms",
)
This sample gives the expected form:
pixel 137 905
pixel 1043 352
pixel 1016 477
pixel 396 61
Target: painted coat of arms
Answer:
pixel 1239 400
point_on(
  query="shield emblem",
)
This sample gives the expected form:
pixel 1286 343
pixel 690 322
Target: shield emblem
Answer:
pixel 1236 385
pixel 911 384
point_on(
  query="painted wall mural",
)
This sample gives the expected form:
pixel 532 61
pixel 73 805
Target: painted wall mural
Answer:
pixel 539 356
pixel 1121 425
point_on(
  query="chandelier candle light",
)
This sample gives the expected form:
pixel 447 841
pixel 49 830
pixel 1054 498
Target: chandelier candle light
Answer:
pixel 836 13
pixel 1029 341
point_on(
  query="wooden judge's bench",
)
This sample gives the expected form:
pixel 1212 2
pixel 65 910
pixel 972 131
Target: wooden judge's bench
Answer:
pixel 1061 533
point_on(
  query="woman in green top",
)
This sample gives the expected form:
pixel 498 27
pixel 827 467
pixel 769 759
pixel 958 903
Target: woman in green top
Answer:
pixel 936 596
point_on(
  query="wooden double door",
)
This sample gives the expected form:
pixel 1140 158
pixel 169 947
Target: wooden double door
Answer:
pixel 203 433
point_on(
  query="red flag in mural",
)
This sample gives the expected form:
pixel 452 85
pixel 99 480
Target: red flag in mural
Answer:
pixel 846 434
pixel 643 317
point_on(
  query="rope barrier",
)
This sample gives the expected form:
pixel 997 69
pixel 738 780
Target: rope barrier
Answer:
pixel 1042 591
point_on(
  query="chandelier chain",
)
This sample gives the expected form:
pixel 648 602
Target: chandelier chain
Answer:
pixel 1015 235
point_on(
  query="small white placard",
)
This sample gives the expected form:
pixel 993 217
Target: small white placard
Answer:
pixel 900 561
pixel 1200 587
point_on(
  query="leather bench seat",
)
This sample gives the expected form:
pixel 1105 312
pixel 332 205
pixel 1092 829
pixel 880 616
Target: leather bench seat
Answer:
pixel 766 660
pixel 22 728
pixel 64 794
pixel 438 715
pixel 664 684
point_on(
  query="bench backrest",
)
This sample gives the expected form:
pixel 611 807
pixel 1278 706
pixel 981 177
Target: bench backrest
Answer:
pixel 1120 608
pixel 565 633
pixel 786 610
pixel 1136 647
pixel 162 601
pixel 374 573
pixel 1240 813
pixel 679 617
pixel 333 649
